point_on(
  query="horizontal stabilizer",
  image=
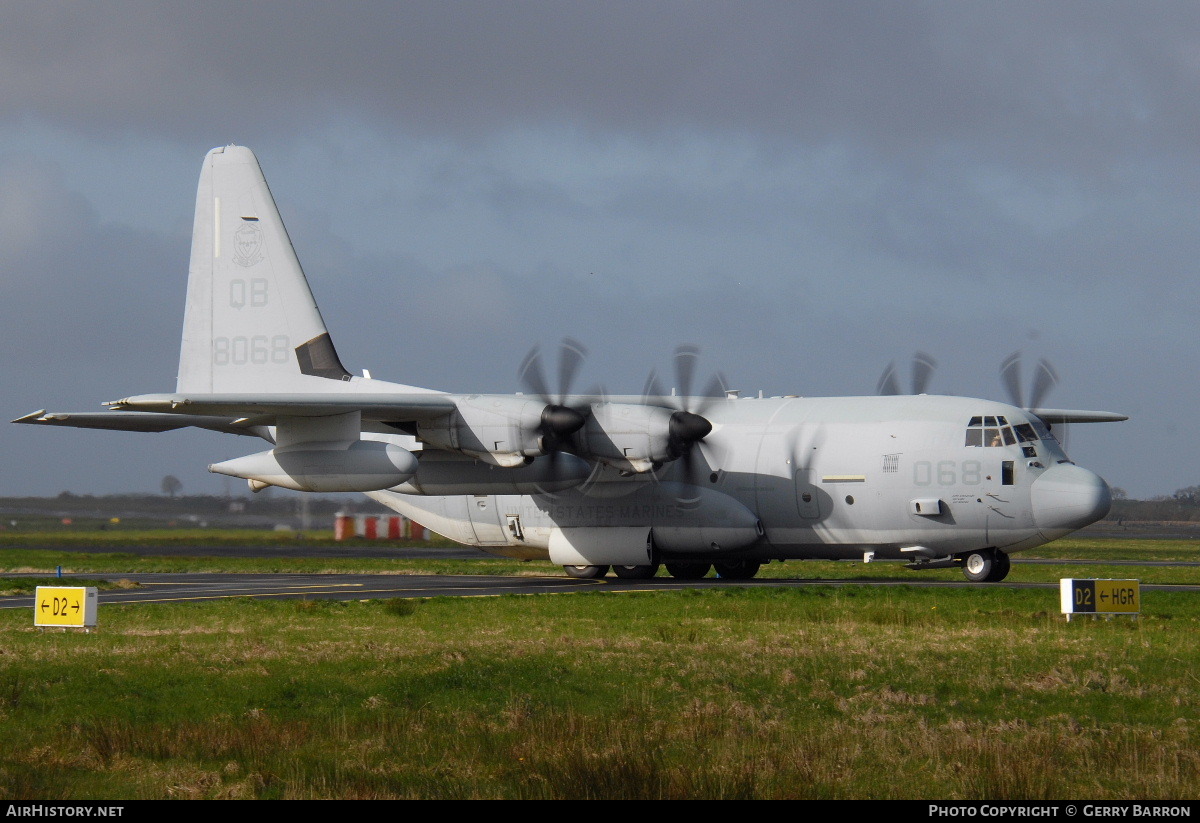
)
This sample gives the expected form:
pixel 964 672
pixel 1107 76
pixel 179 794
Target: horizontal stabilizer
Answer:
pixel 136 421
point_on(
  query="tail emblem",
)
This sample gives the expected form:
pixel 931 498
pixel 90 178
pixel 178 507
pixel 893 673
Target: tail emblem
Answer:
pixel 248 245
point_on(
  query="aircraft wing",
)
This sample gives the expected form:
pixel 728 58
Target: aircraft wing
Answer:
pixel 389 407
pixel 137 421
pixel 1077 416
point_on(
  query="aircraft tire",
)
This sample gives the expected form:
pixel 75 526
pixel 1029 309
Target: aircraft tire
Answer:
pixel 688 571
pixel 1000 570
pixel 986 566
pixel 585 572
pixel 636 572
pixel 738 569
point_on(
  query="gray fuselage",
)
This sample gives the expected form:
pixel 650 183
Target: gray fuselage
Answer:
pixel 903 477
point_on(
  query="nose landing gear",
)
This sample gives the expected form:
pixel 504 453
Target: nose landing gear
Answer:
pixel 985 565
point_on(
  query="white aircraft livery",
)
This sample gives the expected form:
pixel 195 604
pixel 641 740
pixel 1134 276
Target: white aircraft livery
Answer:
pixel 593 482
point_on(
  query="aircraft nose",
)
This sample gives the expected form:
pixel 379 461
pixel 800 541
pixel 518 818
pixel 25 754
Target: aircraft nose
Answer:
pixel 1068 497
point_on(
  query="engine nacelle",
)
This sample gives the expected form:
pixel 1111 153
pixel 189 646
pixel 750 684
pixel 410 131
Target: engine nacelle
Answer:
pixel 637 438
pixel 502 431
pixel 332 466
pixel 631 438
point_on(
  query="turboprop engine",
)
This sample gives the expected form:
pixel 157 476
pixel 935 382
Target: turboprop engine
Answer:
pixel 501 431
pixel 637 438
pixel 331 466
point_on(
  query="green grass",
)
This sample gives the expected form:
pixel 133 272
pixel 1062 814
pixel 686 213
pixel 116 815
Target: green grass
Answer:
pixel 133 536
pixel 17 586
pixel 27 556
pixel 1112 548
pixel 47 561
pixel 981 693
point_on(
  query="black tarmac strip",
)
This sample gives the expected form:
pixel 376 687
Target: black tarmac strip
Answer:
pixel 185 588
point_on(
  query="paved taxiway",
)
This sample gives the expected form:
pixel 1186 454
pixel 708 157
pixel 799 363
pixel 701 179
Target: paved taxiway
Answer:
pixel 184 588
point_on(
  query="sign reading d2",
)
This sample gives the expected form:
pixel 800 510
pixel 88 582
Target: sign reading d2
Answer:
pixel 1100 596
pixel 64 606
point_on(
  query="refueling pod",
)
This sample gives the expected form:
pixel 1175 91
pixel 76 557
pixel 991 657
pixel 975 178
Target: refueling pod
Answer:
pixel 331 466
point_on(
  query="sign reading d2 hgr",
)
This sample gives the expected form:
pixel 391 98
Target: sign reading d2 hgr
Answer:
pixel 64 606
pixel 1100 596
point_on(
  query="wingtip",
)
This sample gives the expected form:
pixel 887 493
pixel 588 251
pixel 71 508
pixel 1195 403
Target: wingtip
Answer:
pixel 32 417
pixel 1077 416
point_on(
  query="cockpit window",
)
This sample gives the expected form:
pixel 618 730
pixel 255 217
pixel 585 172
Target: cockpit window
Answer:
pixel 994 430
pixel 1025 433
pixel 1043 430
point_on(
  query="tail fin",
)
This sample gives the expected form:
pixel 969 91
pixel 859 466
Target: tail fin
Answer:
pixel 251 324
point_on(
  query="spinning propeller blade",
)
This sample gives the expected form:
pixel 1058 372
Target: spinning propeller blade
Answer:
pixel 923 367
pixel 1044 379
pixel 688 426
pixel 559 421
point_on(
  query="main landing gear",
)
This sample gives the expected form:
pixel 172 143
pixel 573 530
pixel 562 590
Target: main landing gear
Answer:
pixel 733 570
pixel 738 569
pixel 585 572
pixel 635 572
pixel 986 566
pixel 688 571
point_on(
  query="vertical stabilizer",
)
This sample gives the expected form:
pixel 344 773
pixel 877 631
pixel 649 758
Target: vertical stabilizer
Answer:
pixel 251 324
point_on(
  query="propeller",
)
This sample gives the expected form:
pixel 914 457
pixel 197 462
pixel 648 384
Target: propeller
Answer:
pixel 802 443
pixel 1044 379
pixel 688 426
pixel 558 421
pixel 923 366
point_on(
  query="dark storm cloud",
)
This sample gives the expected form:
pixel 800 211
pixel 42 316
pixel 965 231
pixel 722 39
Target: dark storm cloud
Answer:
pixel 836 183
pixel 1020 80
pixel 74 284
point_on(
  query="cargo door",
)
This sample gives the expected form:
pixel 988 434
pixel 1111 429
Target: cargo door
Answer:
pixel 484 512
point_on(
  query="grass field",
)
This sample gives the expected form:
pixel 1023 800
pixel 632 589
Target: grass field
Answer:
pixel 132 550
pixel 979 693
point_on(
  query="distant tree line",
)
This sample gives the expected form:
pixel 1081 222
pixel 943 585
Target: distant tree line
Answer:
pixel 181 505
pixel 1182 506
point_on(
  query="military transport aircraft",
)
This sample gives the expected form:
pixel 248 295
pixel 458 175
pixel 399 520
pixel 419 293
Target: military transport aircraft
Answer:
pixel 590 481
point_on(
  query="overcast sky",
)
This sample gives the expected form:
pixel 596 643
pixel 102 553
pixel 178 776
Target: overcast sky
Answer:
pixel 806 190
